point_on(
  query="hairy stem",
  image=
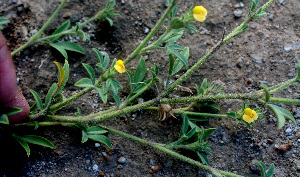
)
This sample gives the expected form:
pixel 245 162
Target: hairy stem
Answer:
pixel 151 34
pixel 285 100
pixel 207 56
pixel 160 147
pixel 98 118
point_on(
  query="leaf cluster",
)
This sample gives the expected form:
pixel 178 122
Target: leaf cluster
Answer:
pixel 192 138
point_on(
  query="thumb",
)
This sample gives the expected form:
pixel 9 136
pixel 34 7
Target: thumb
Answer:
pixel 10 95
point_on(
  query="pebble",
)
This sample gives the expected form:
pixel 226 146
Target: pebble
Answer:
pixel 269 141
pixel 257 58
pixel 238 13
pixel 95 167
pixel 122 160
pixel 254 166
pixel 298 165
pixel 298 135
pixel 87 161
pixel 281 1
pixel 239 5
pixel 271 17
pixel 289 47
pixel 146 30
pixel 97 144
pixel 288 131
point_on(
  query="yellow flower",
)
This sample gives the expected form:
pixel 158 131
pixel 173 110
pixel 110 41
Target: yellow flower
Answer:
pixel 120 67
pixel 250 115
pixel 200 13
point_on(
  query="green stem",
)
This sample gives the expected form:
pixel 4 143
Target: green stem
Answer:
pixel 151 34
pixel 205 114
pixel 239 29
pixel 191 70
pixel 180 111
pixel 282 85
pixel 130 58
pixel 102 117
pixel 207 56
pixel 138 94
pixel 46 124
pixel 285 100
pixel 58 106
pixel 160 147
pixel 155 44
pixel 40 31
pixel 70 31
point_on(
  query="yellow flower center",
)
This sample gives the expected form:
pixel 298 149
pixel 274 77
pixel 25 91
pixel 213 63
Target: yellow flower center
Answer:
pixel 250 115
pixel 248 112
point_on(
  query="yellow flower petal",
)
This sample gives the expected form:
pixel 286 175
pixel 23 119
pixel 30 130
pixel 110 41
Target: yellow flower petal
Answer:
pixel 200 10
pixel 119 66
pixel 200 18
pixel 247 118
pixel 254 115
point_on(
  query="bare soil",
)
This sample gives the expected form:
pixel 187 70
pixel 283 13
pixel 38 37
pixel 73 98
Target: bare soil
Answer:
pixel 265 53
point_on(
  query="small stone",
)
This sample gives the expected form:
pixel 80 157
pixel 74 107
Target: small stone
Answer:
pixel 288 131
pixel 120 166
pixel 269 141
pixel 254 167
pixel 257 58
pixel 122 160
pixel 289 47
pixel 95 167
pixel 238 13
pixel 285 147
pixel 104 154
pixel 271 17
pixel 33 32
pixel 97 144
pixel 242 5
pixel 281 1
pixel 87 161
pixel 298 165
pixel 146 30
pixel 101 174
pixel 298 135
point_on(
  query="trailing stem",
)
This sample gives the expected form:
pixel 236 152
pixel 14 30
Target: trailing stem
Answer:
pixel 40 31
pixel 129 59
pixel 161 148
pixel 98 118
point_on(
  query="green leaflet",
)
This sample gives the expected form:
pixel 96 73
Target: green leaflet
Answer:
pixel 91 72
pixel 50 94
pixel 62 47
pixel 64 27
pixel 33 139
pixel 37 99
pixel 280 113
pixel 84 82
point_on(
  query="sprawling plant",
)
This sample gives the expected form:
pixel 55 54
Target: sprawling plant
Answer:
pixel 191 137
